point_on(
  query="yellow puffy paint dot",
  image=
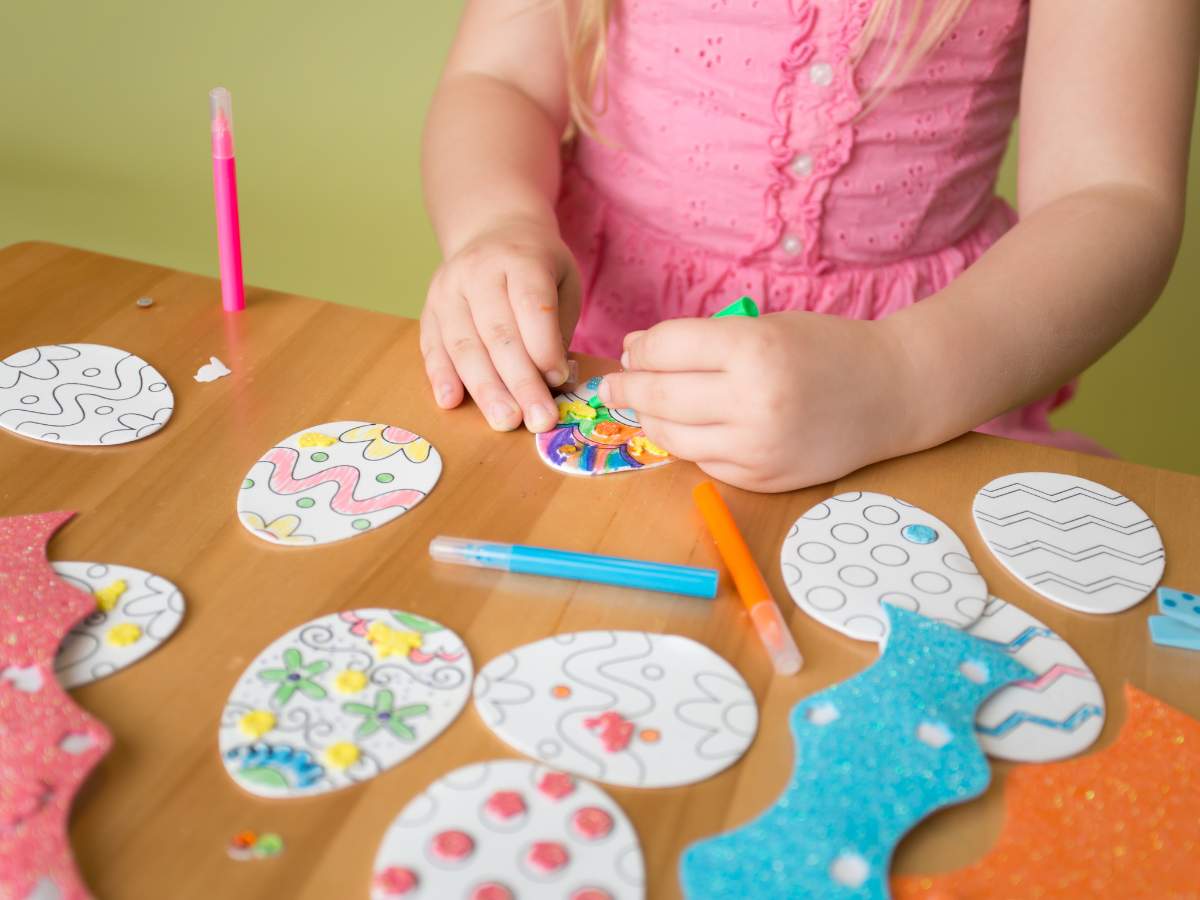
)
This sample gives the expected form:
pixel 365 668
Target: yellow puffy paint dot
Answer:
pixel 639 444
pixel 316 439
pixel 256 723
pixel 107 596
pixel 577 408
pixel 124 634
pixel 390 642
pixel 341 755
pixel 349 682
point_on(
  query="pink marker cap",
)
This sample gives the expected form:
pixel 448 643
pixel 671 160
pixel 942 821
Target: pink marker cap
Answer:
pixel 220 109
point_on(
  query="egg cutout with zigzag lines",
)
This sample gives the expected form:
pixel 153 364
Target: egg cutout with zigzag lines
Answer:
pixel 336 481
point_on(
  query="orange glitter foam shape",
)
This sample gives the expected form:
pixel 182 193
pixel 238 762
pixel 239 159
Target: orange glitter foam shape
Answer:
pixel 1122 822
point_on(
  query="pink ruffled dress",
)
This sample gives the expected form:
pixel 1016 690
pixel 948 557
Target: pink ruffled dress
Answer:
pixel 733 158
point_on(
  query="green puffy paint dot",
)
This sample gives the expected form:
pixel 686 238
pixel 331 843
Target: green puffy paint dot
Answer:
pixel 247 484
pixel 319 456
pixel 265 777
pixel 385 477
pixel 361 524
pixel 306 502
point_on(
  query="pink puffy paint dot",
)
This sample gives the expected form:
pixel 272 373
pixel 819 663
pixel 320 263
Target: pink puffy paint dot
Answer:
pixel 591 893
pixel 556 785
pixel 491 891
pixel 453 846
pixel 395 881
pixel 547 856
pixel 592 823
pixel 505 805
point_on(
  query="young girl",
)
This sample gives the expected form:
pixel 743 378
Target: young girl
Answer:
pixel 835 160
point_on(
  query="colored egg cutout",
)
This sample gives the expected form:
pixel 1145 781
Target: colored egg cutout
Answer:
pixel 509 828
pixel 1076 542
pixel 638 709
pixel 135 613
pixel 334 481
pixel 341 699
pixel 847 555
pixel 82 394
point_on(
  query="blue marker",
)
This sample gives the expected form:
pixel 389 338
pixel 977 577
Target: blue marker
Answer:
pixel 635 573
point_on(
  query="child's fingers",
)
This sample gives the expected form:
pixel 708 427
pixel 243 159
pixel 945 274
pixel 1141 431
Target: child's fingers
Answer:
pixel 689 398
pixel 680 345
pixel 446 385
pixel 497 326
pixel 695 442
pixel 474 365
pixel 533 295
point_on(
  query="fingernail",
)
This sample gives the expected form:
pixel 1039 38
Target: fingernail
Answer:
pixel 604 392
pixel 625 360
pixel 542 417
pixel 500 416
pixel 556 377
pixel 445 394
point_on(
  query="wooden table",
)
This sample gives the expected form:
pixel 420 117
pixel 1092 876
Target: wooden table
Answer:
pixel 155 817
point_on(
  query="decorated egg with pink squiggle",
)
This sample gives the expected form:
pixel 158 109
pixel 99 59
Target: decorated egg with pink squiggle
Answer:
pixel 335 481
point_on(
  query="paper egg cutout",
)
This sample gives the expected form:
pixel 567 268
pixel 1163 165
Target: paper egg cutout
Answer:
pixel 623 707
pixel 336 481
pixel 596 440
pixel 1074 541
pixel 508 829
pixel 135 612
pixel 82 394
pixel 845 556
pixel 1057 714
pixel 341 699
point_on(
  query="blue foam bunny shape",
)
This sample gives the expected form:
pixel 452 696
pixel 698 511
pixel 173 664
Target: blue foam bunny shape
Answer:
pixel 874 755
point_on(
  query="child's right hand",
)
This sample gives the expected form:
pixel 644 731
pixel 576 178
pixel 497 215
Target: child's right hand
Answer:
pixel 494 322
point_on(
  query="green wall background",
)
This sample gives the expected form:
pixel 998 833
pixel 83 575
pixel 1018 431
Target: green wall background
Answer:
pixel 104 145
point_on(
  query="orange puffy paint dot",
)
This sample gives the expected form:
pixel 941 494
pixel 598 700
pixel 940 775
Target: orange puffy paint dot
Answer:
pixel 608 429
pixel 244 839
pixel 560 692
pixel 650 735
pixel 1117 823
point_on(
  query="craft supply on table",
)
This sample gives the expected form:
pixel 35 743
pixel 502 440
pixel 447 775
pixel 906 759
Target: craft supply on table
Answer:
pixel 1058 713
pixel 874 755
pixel 1179 605
pixel 340 699
pixel 847 556
pixel 211 370
pixel 82 394
pixel 596 439
pixel 751 586
pixel 133 612
pixel 1168 632
pixel 48 745
pixel 251 845
pixel 743 306
pixel 505 829
pixel 229 235
pixel 623 707
pixel 1076 542
pixel 668 578
pixel 1119 822
pixel 144 302
pixel 336 480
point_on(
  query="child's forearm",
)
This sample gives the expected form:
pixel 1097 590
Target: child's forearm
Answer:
pixel 1065 285
pixel 491 154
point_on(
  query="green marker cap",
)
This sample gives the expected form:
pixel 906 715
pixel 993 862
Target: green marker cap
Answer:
pixel 743 306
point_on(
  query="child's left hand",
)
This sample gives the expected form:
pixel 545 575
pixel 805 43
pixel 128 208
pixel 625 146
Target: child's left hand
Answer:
pixel 770 404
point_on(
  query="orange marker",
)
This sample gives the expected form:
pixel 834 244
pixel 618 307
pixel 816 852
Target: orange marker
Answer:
pixel 751 587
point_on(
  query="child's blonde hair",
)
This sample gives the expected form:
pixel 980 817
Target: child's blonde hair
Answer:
pixel 586 37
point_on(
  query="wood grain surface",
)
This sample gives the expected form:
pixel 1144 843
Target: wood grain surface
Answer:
pixel 155 817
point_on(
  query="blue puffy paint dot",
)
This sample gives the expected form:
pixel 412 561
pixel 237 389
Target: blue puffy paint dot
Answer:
pixel 919 534
pixel 1169 602
pixel 594 382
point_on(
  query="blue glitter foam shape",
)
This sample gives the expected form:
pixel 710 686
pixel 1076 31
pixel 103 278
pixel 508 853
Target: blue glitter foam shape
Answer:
pixel 862 776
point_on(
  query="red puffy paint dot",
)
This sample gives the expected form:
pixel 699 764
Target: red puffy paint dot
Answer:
pixel 547 856
pixel 505 805
pixel 592 823
pixel 556 785
pixel 491 891
pixel 453 845
pixel 395 881
pixel 591 893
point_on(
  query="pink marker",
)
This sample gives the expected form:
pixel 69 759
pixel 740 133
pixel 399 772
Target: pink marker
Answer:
pixel 229 234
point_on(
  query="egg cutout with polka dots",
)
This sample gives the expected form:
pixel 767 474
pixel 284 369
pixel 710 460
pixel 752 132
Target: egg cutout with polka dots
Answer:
pixel 850 553
pixel 336 481
pixel 506 829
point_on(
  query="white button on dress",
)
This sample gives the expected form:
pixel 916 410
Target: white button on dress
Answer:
pixel 801 164
pixel 791 244
pixel 821 74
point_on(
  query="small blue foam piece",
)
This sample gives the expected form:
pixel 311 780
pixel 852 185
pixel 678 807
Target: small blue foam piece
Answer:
pixel 1179 605
pixel 863 776
pixel 1168 632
